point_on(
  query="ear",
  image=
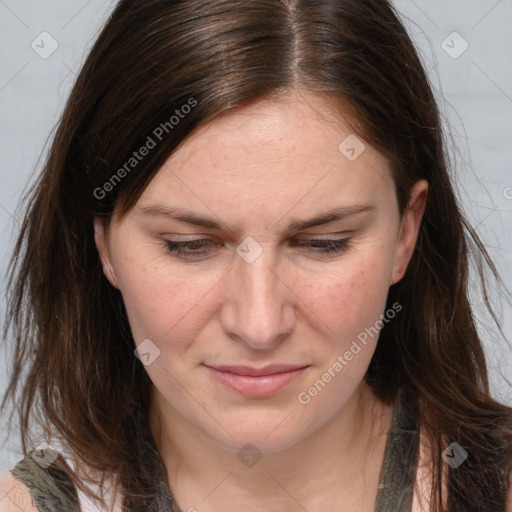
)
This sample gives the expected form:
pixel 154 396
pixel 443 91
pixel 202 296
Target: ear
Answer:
pixel 409 229
pixel 101 241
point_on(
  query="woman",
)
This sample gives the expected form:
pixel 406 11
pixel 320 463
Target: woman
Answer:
pixel 243 272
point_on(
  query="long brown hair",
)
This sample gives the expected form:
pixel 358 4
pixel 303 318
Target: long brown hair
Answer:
pixel 151 59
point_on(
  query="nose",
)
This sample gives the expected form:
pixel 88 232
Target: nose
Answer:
pixel 259 308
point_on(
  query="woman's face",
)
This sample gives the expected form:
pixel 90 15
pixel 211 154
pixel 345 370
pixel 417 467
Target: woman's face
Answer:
pixel 254 288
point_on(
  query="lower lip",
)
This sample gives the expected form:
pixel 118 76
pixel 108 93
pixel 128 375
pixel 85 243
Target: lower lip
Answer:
pixel 257 387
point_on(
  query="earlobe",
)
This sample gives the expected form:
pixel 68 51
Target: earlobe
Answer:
pixel 409 230
pixel 100 239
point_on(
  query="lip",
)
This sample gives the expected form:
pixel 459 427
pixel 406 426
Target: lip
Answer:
pixel 257 382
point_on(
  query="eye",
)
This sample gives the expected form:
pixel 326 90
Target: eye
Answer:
pixel 190 248
pixel 324 246
pixel 201 247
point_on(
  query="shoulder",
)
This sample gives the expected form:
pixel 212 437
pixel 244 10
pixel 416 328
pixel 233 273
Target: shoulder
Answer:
pixel 14 495
pixel 39 480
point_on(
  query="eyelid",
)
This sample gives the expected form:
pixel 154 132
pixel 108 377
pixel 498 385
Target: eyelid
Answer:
pixel 327 246
pixel 205 240
pixel 313 236
pixel 326 236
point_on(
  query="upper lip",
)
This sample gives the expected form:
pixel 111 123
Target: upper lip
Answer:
pixel 257 372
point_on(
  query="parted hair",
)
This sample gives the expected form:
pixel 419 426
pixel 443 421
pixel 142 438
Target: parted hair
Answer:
pixel 74 371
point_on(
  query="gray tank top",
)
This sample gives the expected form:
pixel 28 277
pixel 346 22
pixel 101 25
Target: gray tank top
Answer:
pixel 53 491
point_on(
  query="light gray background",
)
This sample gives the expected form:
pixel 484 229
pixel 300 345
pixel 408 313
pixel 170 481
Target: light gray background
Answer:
pixel 474 90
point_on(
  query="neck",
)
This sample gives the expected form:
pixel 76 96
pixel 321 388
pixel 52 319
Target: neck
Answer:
pixel 338 463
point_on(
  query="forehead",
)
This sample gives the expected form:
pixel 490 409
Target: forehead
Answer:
pixel 295 126
pixel 294 150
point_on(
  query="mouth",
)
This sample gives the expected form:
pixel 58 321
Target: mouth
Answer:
pixel 257 382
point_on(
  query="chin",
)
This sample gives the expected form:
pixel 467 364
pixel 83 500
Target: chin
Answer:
pixel 246 441
pixel 267 434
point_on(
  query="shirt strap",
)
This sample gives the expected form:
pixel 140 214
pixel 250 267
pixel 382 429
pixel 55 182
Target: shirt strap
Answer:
pixel 399 469
pixel 43 473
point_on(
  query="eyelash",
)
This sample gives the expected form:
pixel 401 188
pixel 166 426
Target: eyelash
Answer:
pixel 327 247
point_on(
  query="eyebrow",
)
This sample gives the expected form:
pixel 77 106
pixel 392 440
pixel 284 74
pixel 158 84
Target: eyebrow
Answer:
pixel 190 217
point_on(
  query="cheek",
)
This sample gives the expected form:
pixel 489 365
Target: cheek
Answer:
pixel 351 297
pixel 350 304
pixel 163 301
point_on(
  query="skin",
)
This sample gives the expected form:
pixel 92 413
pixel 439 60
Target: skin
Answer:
pixel 254 171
